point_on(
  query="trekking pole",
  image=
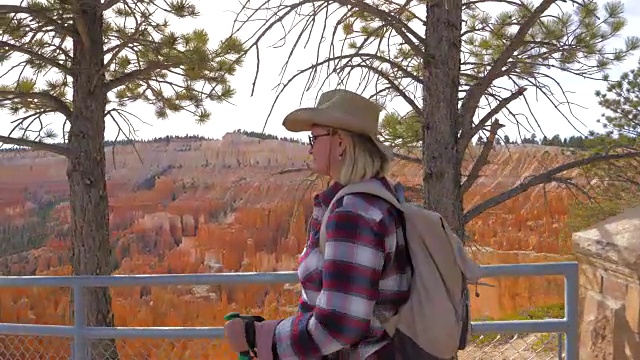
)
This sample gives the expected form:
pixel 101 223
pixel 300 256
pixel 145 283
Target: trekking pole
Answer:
pixel 249 331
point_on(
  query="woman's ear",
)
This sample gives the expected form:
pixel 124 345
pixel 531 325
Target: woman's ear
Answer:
pixel 342 139
pixel 342 145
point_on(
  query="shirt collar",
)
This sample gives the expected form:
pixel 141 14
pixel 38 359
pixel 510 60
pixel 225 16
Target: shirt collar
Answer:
pixel 325 197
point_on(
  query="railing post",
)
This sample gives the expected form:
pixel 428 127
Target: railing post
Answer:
pixel 560 344
pixel 80 348
pixel 571 346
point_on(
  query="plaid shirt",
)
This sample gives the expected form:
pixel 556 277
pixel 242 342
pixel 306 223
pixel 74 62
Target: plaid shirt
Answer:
pixel 361 279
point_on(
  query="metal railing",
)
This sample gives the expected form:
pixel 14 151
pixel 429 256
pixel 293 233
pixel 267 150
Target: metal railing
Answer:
pixel 82 334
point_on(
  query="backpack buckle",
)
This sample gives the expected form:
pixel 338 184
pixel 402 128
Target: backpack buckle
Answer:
pixel 479 283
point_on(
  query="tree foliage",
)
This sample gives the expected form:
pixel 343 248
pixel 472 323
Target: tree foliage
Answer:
pixel 615 185
pixel 402 131
pixel 144 61
pixel 622 102
pixel 409 50
pixel 265 136
pixel 31 234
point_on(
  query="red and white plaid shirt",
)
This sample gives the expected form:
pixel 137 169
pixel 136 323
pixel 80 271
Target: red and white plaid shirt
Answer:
pixel 364 276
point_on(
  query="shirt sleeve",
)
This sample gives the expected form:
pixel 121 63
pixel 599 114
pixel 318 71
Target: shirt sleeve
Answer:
pixel 353 261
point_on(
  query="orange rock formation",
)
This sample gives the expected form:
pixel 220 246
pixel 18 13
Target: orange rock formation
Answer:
pixel 216 206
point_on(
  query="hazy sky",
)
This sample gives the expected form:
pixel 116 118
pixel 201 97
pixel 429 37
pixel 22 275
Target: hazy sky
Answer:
pixel 250 112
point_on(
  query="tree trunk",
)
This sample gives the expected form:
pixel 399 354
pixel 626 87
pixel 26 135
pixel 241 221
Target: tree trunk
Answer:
pixel 91 250
pixel 441 156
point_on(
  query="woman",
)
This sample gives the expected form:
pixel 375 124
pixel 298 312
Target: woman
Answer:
pixel 364 275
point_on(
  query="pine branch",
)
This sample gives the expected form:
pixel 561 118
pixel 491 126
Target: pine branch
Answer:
pixel 36 145
pixel 137 74
pixel 474 93
pixel 35 56
pixel 396 23
pixel 398 88
pixel 540 179
pixel 39 15
pixel 52 101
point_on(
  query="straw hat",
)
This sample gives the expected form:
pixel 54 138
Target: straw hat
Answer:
pixel 340 109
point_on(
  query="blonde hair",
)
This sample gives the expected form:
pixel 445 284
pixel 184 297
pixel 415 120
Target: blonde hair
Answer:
pixel 362 160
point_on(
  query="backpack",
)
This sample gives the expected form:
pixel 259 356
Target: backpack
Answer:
pixel 434 322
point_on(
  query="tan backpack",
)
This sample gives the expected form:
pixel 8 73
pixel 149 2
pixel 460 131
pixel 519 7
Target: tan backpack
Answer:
pixel 434 322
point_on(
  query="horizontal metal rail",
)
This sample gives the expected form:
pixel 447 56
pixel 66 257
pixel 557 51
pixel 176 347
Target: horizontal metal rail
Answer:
pixel 81 333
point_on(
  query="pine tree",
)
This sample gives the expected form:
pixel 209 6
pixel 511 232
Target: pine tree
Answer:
pixel 616 184
pixel 85 62
pixel 621 100
pixel 456 66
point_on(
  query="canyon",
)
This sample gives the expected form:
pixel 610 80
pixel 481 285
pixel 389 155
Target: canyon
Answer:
pixel 185 205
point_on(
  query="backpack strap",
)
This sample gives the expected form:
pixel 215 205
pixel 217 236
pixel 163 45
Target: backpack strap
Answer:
pixel 367 187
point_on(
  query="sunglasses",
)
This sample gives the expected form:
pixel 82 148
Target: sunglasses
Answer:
pixel 312 138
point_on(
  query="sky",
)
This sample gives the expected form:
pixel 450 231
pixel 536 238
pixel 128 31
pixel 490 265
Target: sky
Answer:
pixel 250 112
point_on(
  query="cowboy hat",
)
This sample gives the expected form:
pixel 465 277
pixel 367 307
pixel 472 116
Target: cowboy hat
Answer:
pixel 340 109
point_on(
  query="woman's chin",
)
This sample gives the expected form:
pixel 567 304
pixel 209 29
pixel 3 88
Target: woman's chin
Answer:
pixel 319 171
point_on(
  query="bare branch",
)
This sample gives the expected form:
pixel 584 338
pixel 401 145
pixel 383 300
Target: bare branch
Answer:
pixel 108 4
pixel 129 135
pixel 539 179
pixel 36 145
pixel 411 159
pixel 482 159
pixel 465 138
pixel 293 170
pixel 572 185
pixel 393 84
